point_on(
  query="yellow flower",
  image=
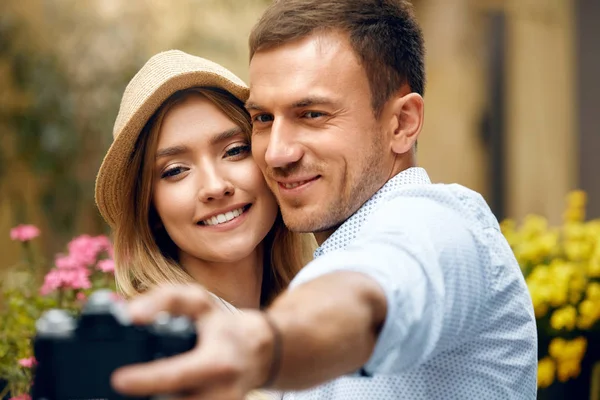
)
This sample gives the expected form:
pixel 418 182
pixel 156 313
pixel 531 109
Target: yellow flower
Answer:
pixel 557 347
pixel 569 368
pixel 593 291
pixel 588 308
pixel 561 349
pixel 561 266
pixel 540 306
pixel 577 250
pixel 576 199
pixel 577 286
pixel 508 225
pixel 593 230
pixel 540 273
pixel 593 269
pixel 533 225
pixel 548 242
pixel 574 215
pixel 559 293
pixel 574 231
pixel 575 297
pixel 576 348
pixel 578 281
pixel 585 322
pixel 589 313
pixel 564 318
pixel 546 371
pixel 561 270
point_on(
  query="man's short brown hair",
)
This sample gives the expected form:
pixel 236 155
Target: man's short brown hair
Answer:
pixel 383 33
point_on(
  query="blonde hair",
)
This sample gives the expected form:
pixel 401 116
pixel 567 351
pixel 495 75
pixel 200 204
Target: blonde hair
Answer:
pixel 146 257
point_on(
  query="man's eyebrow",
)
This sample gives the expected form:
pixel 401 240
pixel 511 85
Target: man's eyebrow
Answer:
pixel 305 102
pixel 250 106
pixel 311 101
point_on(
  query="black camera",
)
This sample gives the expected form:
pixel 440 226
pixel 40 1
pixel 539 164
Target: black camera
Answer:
pixel 76 356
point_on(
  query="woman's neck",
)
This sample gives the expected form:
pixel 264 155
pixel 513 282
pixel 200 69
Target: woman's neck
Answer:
pixel 238 283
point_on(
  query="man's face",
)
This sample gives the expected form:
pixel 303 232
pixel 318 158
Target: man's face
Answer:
pixel 315 136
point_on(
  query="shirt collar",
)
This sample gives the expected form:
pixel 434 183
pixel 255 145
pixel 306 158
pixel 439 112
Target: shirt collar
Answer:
pixel 351 227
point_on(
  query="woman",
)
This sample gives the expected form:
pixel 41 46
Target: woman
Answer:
pixel 182 194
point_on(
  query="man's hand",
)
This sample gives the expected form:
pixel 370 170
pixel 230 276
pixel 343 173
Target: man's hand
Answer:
pixel 233 355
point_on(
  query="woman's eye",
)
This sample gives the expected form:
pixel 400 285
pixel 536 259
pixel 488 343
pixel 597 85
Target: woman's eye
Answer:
pixel 238 150
pixel 172 172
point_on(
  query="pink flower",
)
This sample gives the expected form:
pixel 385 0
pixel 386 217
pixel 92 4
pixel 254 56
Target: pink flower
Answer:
pixel 21 397
pixel 81 296
pixel 106 266
pixel 68 262
pixel 85 249
pixel 71 278
pixel 24 233
pixel 27 362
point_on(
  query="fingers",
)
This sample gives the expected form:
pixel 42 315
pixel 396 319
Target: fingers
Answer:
pixel 176 374
pixel 220 393
pixel 188 375
pixel 188 300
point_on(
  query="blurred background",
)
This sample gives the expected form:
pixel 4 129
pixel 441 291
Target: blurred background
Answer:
pixel 511 99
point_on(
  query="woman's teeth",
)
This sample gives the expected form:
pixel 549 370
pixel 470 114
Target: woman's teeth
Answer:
pixel 221 218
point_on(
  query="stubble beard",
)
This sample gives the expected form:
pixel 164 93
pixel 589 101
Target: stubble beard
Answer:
pixel 338 207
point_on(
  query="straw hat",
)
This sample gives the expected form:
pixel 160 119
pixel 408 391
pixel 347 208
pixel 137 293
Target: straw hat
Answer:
pixel 161 76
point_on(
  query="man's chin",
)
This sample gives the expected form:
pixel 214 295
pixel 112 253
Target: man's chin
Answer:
pixel 300 221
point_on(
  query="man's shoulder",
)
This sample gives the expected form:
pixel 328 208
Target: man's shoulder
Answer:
pixel 435 200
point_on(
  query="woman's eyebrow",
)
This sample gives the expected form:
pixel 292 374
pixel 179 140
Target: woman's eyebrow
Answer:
pixel 171 151
pixel 180 149
pixel 228 134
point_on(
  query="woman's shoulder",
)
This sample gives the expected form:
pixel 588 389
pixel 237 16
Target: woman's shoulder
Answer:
pixel 226 306
pixel 264 395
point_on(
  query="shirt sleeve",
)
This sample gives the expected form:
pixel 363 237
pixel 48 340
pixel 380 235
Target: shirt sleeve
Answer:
pixel 425 257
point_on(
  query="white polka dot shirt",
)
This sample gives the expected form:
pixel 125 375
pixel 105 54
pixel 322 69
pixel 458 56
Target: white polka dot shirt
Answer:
pixel 460 321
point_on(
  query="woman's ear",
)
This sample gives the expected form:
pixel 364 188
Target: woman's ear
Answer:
pixel 405 116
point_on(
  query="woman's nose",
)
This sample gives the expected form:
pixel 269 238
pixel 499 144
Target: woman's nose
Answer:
pixel 213 186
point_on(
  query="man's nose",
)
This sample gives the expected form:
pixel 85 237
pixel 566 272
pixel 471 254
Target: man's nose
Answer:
pixel 213 185
pixel 283 148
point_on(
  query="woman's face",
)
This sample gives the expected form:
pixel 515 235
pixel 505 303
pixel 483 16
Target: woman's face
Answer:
pixel 208 192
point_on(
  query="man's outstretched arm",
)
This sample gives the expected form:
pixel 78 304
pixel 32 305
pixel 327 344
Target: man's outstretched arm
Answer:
pixel 383 305
pixel 329 327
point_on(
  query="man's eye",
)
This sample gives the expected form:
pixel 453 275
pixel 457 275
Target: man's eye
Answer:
pixel 238 150
pixel 262 118
pixel 172 172
pixel 313 114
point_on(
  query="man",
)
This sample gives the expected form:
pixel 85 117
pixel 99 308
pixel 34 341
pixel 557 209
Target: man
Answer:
pixel 414 293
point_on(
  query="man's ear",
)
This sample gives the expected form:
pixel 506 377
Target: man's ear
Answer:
pixel 405 117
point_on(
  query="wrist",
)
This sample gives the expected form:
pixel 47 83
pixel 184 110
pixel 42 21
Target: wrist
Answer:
pixel 276 351
pixel 267 349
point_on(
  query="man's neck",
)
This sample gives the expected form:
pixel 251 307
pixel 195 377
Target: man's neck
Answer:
pixel 401 163
pixel 322 236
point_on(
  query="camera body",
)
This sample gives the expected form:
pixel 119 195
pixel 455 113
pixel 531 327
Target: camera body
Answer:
pixel 76 356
